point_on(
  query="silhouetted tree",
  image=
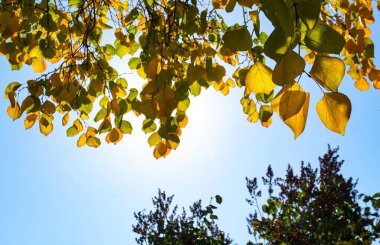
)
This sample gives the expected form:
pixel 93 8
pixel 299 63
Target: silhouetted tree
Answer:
pixel 314 207
pixel 165 226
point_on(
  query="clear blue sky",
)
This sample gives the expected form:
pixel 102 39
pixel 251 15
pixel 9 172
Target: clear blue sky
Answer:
pixel 51 192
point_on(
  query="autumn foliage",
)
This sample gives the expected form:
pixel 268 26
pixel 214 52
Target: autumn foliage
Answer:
pixel 180 48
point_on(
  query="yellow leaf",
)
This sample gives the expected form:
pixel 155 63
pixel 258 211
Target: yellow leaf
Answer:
pixel 184 122
pixel 334 110
pixel 328 71
pixel 39 66
pixel 31 119
pixel 267 123
pixel 114 136
pixel 288 68
pixel 45 126
pixel 154 139
pixel 259 79
pixel 93 142
pixel 65 119
pixel 78 125
pixel 82 140
pixel 160 150
pixel 289 101
pixel 297 122
pixel 152 68
pixel 254 117
pixel 362 84
pixel 14 112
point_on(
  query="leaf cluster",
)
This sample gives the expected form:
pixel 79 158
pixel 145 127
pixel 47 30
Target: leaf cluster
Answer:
pixel 181 47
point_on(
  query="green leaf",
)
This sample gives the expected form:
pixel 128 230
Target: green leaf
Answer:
pixel 218 199
pixel 72 131
pixel 279 43
pixel 134 63
pixel 74 3
pixel 308 11
pixel 288 68
pixel 328 71
pixel 238 38
pixel 149 126
pixel 132 95
pixel 324 39
pixel 125 127
pixel 154 139
pixel 283 16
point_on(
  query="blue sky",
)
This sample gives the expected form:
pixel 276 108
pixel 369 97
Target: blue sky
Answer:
pixel 51 192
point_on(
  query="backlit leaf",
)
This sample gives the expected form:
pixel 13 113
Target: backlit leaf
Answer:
pixel 362 84
pixel 328 72
pixel 324 39
pixel 114 136
pixel 31 119
pixel 45 126
pixel 259 79
pixel 14 112
pixel 65 119
pixel 154 139
pixel 334 110
pixel 289 101
pixel 297 122
pixel 39 65
pixel 288 68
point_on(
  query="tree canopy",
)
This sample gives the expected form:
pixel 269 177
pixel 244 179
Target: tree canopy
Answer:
pixel 181 47
pixel 317 206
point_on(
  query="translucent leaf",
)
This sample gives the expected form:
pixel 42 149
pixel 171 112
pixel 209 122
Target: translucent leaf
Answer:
pixel 14 112
pixel 334 110
pixel 259 79
pixel 328 71
pixel 93 142
pixel 11 88
pixel 265 113
pixel 72 131
pixel 65 119
pixel 134 63
pixel 289 101
pixel 45 126
pixel 31 119
pixel 154 139
pixel 82 140
pixel 161 150
pixel 362 84
pixel 324 39
pixel 39 65
pixel 125 127
pixel 114 136
pixel 278 43
pixel 288 68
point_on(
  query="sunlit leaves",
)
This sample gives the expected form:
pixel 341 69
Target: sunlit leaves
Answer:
pixel 292 105
pixel 259 79
pixel 334 110
pixel 178 49
pixel 39 66
pixel 324 39
pixel 14 111
pixel 328 71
